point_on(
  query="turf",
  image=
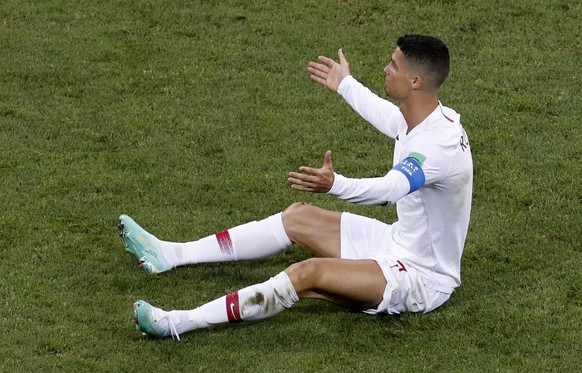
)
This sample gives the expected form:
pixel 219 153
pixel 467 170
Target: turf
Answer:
pixel 187 115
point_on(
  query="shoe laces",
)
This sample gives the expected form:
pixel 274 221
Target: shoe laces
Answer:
pixel 171 325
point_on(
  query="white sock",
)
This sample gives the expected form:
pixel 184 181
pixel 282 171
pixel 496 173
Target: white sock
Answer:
pixel 254 240
pixel 251 303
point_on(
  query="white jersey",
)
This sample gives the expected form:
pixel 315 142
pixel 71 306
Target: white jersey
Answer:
pixel 431 183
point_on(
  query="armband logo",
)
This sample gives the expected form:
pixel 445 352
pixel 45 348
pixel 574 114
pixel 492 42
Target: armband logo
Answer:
pixel 418 157
pixel 411 168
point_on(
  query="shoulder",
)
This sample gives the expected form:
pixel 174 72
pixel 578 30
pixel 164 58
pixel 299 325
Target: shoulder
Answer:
pixel 443 130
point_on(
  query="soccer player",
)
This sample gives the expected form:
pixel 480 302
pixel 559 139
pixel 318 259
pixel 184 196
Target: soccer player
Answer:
pixel 412 265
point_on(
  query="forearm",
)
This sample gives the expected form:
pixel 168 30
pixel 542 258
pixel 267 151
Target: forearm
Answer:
pixel 378 111
pixel 371 191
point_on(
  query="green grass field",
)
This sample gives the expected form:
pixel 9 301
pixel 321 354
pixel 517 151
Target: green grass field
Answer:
pixel 187 115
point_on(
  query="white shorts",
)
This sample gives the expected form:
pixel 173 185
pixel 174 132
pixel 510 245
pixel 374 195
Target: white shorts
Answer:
pixel 366 238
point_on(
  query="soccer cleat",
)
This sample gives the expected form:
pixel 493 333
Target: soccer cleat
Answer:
pixel 152 321
pixel 143 245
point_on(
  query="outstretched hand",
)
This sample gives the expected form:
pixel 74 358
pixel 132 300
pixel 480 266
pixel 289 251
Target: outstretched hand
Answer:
pixel 329 73
pixel 318 180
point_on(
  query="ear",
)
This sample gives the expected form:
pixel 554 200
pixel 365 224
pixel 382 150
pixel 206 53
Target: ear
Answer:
pixel 416 82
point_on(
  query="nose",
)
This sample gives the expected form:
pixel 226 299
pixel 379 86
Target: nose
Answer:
pixel 387 70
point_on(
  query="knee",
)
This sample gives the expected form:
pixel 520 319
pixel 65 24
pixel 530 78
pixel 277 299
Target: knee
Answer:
pixel 304 275
pixel 294 215
pixel 294 210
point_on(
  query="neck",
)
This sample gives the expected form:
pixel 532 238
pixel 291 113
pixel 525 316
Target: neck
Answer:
pixel 416 108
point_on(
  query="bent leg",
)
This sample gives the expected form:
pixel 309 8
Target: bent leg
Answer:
pixel 254 302
pixel 351 283
pixel 316 228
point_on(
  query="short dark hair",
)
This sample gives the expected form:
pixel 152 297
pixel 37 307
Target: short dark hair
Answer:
pixel 428 54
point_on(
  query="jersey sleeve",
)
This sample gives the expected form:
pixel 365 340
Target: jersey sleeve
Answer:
pixel 412 173
pixel 371 191
pixel 433 158
pixel 381 113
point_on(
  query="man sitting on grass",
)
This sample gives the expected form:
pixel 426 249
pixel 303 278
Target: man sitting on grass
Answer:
pixel 412 265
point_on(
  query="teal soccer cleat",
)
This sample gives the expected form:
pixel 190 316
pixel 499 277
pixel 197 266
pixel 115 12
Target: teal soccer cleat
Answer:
pixel 143 245
pixel 152 321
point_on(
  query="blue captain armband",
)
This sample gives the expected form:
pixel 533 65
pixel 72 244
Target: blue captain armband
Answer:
pixel 411 168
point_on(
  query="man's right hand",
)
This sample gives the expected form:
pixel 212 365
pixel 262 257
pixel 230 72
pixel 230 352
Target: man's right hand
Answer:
pixel 329 73
pixel 317 180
